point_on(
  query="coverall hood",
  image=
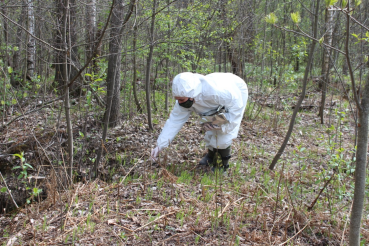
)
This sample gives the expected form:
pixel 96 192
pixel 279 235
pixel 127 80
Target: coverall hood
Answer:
pixel 186 85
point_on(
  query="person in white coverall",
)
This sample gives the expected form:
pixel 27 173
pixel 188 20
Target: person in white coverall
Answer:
pixel 201 94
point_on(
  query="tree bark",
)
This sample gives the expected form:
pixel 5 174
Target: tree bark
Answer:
pixel 134 82
pixel 14 79
pixel 31 43
pixel 362 146
pixel 323 84
pixel 91 35
pixel 148 66
pixel 360 170
pixel 66 14
pixel 114 62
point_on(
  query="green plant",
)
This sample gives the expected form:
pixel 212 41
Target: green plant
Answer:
pixel 24 166
pixel 185 177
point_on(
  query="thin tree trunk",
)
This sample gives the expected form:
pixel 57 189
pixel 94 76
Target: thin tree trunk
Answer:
pixel 31 44
pixel 6 39
pixel 66 99
pixel 302 96
pixel 134 82
pixel 362 147
pixel 264 40
pixel 360 170
pixel 90 27
pixel 16 55
pixel 166 107
pixel 148 66
pixel 59 55
pixel 326 61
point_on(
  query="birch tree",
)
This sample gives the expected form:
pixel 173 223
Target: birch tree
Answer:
pixel 31 43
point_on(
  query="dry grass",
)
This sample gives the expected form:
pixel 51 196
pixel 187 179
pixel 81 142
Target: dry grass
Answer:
pixel 172 203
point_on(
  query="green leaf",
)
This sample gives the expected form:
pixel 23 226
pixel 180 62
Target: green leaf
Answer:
pixel 344 3
pixel 28 165
pixel 271 18
pixel 2 102
pixel 10 69
pixel 356 36
pixel 81 134
pixel 14 101
pixel 321 40
pixel 3 189
pixel 88 96
pixel 36 191
pixel 296 17
pixel 88 75
pixel 18 155
pixel 15 48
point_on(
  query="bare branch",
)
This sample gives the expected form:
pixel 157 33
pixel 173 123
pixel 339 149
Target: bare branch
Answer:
pixel 38 39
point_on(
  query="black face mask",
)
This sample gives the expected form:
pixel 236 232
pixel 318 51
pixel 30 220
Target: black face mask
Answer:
pixel 186 104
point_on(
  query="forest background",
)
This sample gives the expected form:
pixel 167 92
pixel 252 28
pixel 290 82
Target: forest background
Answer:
pixel 85 91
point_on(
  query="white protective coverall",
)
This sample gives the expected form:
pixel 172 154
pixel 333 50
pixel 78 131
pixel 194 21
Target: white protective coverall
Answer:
pixel 209 92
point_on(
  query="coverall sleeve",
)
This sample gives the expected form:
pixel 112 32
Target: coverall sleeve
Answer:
pixel 178 117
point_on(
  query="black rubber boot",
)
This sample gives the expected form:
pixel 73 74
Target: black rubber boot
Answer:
pixel 225 155
pixel 207 159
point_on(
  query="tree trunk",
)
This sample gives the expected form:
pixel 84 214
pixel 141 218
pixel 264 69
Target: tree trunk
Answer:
pixel 323 83
pixel 90 27
pixel 360 170
pixel 6 40
pixel 76 88
pixel 59 55
pixel 166 107
pixel 148 66
pixel 362 146
pixel 31 43
pixel 134 82
pixel 90 31
pixel 114 62
pixel 65 29
pixel 14 79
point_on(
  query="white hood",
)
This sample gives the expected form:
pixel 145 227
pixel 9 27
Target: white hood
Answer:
pixel 186 85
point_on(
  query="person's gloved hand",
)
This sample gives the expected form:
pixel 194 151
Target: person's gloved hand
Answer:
pixel 154 153
pixel 210 127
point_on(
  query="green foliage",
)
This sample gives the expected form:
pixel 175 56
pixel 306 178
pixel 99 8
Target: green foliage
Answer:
pixel 321 40
pixel 296 18
pixel 24 166
pixel 271 18
pixel 330 2
pixel 344 3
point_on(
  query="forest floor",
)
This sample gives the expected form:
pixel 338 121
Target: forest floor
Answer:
pixel 305 200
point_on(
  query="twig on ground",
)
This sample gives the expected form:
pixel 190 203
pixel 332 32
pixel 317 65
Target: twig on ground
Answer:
pixel 121 182
pixel 70 205
pixel 9 191
pixel 164 215
pixel 226 207
pixel 344 229
pixel 294 235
